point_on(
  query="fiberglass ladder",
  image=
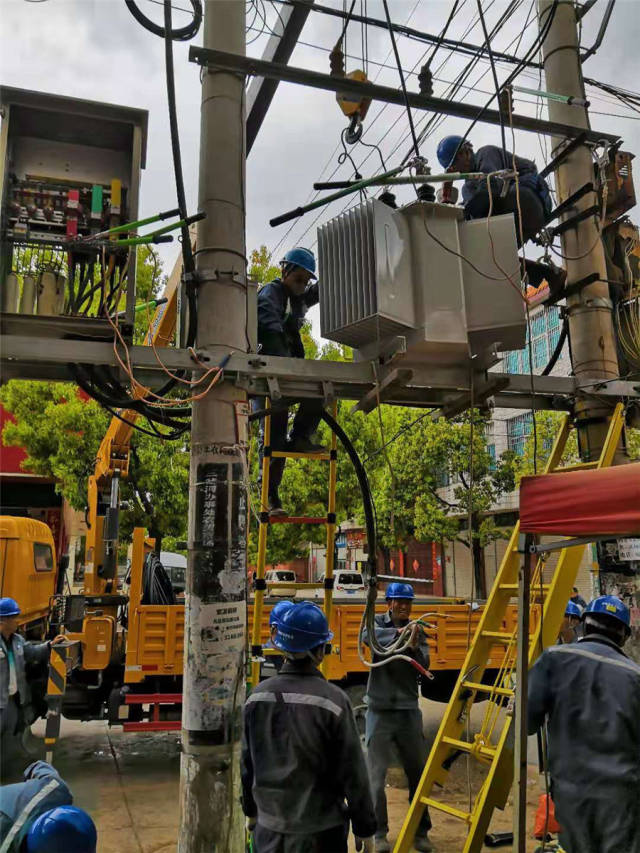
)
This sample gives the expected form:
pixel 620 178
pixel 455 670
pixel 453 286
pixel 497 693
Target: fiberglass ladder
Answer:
pixel 258 652
pixel 492 746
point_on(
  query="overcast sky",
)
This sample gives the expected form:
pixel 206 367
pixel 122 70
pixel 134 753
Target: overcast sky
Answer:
pixel 95 49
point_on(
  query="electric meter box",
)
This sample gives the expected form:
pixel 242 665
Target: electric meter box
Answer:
pixel 70 168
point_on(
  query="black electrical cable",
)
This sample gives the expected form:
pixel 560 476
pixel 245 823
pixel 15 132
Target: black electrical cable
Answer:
pixel 181 34
pixel 156 584
pixel 555 355
pixel 494 74
pixel 402 80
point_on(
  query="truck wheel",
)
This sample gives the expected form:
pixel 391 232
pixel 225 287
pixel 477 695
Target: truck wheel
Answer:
pixel 356 693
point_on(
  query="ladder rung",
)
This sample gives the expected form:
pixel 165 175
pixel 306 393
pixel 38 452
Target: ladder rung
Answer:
pixel 487 688
pixel 499 636
pixel 294 585
pixel 443 807
pixel 298 519
pixel 579 466
pixel 465 746
pixel 321 455
pixel 513 587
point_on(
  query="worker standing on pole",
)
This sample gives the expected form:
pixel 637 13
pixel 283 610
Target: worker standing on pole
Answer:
pixel 282 305
pixel 304 776
pixel 589 694
pixel 394 719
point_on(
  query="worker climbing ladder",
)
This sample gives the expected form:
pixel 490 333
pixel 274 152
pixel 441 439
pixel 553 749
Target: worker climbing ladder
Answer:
pixel 493 745
pixel 258 653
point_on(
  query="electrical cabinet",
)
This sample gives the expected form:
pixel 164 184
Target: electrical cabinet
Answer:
pixel 70 170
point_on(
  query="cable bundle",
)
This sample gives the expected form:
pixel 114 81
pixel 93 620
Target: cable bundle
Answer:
pixel 156 585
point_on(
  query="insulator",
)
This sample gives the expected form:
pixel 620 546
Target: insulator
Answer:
pixel 336 61
pixel 425 81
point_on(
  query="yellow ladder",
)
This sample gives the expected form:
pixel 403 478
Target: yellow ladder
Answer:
pixel 491 746
pixel 258 653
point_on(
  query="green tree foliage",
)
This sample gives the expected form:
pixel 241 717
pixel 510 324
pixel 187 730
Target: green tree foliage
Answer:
pixel 261 268
pixel 536 452
pixel 61 433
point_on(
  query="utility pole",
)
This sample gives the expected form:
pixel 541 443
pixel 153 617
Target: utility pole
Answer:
pixel 593 347
pixel 215 614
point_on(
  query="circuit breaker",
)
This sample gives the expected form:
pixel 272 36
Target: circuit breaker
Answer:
pixel 70 170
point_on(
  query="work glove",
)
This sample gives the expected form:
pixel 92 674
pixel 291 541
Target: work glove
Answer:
pixel 367 845
pixel 250 823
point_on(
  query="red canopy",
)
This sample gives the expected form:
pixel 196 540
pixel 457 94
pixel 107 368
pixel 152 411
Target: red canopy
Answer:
pixel 581 503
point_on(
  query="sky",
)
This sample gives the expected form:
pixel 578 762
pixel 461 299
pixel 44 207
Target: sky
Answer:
pixel 94 49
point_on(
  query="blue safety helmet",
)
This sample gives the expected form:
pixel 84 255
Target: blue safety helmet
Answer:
pixel 447 150
pixel 609 605
pixel 302 628
pixel 301 258
pixel 399 590
pixel 278 610
pixel 64 829
pixel 572 609
pixel 9 607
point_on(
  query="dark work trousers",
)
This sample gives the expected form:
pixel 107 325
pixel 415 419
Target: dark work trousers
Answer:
pixel 332 840
pixel 391 733
pixel 13 758
pixel 530 205
pixel 305 423
pixel 600 821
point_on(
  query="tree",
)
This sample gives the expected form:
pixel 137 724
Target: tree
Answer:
pixel 61 432
pixel 547 428
pixel 261 269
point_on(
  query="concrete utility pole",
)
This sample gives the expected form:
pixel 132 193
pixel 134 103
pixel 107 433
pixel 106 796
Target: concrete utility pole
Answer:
pixel 593 346
pixel 215 618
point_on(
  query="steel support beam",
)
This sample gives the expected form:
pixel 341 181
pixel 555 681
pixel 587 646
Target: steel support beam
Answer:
pixel 430 385
pixel 303 76
pixel 291 20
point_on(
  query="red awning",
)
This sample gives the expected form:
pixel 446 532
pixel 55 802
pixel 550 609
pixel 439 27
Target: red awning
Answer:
pixel 581 503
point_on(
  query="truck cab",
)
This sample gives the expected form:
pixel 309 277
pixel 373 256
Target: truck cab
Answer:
pixel 28 570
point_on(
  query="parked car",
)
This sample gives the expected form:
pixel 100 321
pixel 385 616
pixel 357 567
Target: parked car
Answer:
pixel 278 576
pixel 346 583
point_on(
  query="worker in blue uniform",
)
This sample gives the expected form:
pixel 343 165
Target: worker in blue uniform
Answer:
pixel 282 305
pixel 570 623
pixel 394 719
pixel 37 816
pixel 16 707
pixel 588 692
pixel 531 198
pixel 304 777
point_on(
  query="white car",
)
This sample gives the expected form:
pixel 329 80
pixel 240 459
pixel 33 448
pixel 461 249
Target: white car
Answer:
pixel 281 576
pixel 346 583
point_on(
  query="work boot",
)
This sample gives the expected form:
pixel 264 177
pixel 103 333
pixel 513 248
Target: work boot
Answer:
pixel 275 507
pixel 302 444
pixel 381 844
pixel 422 844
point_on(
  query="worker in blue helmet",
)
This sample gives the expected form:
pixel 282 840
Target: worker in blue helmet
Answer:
pixel 394 720
pixel 277 612
pixel 304 777
pixel 570 623
pixel 531 198
pixel 282 306
pixel 588 692
pixel 37 815
pixel 16 704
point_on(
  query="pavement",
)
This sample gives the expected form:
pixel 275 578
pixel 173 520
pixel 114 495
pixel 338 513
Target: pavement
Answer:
pixel 129 783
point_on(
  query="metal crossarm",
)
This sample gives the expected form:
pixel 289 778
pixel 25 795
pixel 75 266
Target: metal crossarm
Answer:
pixel 492 747
pixel 264 522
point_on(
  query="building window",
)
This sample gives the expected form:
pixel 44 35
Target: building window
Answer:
pixel 491 448
pixel 540 353
pixel 545 331
pixel 518 431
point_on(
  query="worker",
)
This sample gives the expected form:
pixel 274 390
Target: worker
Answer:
pixel 577 598
pixel 393 718
pixel 16 709
pixel 282 305
pixel 530 201
pixel 589 694
pixel 570 623
pixel 303 772
pixel 37 816
pixel 277 612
